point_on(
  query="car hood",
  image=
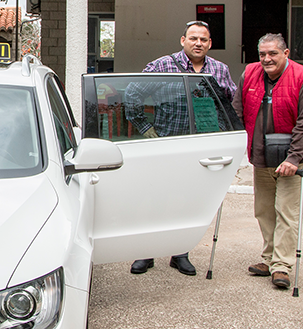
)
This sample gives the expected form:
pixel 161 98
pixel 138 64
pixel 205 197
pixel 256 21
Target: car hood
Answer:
pixel 26 204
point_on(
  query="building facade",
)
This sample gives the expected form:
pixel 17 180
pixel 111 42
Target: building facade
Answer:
pixel 8 17
pixel 146 29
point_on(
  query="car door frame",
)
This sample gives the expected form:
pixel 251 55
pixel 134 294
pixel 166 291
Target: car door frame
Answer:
pixel 110 248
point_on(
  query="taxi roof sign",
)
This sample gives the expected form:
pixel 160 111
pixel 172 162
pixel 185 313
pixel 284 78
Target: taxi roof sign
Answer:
pixel 5 52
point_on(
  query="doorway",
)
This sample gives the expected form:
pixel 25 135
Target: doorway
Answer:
pixel 101 43
pixel 261 17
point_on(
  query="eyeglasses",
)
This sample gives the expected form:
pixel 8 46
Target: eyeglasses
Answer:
pixel 197 23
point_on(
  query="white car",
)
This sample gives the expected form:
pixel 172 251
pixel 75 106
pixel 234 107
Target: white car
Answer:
pixel 69 201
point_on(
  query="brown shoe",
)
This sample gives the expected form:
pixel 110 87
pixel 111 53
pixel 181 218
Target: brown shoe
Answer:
pixel 259 269
pixel 281 279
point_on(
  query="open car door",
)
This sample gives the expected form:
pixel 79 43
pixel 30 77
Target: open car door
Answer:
pixel 164 197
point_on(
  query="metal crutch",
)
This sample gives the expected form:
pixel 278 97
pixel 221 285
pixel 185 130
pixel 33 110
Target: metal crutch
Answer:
pixel 298 251
pixel 215 238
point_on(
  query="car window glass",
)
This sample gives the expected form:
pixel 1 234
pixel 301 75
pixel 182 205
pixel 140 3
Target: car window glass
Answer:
pixel 19 142
pixel 130 107
pixel 212 110
pixel 62 122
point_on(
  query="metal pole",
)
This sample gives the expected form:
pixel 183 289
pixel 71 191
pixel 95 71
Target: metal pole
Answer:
pixel 17 28
pixel 298 251
pixel 215 238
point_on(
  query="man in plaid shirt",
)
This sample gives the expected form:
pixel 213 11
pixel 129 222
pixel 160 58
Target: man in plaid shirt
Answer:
pixel 196 42
pixel 192 58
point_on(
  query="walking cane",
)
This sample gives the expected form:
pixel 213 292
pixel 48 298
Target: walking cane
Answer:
pixel 215 238
pixel 298 251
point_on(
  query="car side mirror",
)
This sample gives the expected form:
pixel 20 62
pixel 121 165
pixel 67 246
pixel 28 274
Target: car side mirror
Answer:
pixel 94 155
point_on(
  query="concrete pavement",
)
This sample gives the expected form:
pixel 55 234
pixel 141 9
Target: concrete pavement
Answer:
pixel 243 181
pixel 164 298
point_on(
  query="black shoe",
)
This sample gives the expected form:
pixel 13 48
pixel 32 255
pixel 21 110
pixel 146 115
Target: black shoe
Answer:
pixel 183 265
pixel 141 265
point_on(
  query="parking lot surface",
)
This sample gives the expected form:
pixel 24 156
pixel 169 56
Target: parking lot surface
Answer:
pixel 233 298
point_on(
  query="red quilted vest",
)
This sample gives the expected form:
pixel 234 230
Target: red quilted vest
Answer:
pixel 285 96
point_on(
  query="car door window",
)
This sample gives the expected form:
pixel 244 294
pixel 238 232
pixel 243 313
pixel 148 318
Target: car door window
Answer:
pixel 129 106
pixel 62 121
pixel 126 107
pixel 212 110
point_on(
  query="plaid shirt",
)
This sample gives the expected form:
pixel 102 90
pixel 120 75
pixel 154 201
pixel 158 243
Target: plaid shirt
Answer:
pixel 171 114
pixel 216 68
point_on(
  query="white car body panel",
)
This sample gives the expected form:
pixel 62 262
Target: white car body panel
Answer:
pixel 163 194
pixel 75 306
pixel 65 239
pixel 21 219
pixel 159 202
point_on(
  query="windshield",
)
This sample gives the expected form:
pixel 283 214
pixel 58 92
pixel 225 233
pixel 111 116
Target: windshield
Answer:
pixel 19 142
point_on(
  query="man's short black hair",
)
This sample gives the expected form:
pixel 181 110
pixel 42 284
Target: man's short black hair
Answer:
pixel 198 23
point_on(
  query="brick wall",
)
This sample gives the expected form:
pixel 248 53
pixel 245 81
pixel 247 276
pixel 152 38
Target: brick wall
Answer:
pixel 53 35
pixel 53 30
pixel 101 6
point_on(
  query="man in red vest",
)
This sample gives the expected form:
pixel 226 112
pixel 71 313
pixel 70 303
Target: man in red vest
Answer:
pixel 277 189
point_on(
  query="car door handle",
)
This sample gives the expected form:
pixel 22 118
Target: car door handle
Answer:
pixel 216 163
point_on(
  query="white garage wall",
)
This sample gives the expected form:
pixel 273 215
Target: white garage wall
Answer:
pixel 147 29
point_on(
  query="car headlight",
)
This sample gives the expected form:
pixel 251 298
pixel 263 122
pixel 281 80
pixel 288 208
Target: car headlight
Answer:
pixel 35 304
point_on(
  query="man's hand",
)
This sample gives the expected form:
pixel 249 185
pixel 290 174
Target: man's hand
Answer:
pixel 286 169
pixel 150 133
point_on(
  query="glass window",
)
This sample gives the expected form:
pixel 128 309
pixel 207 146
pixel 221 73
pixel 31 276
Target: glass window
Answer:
pixel 101 42
pixel 107 39
pixel 129 106
pixel 62 121
pixel 212 110
pixel 135 107
pixel 19 138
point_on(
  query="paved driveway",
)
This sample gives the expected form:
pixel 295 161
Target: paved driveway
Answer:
pixel 164 298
